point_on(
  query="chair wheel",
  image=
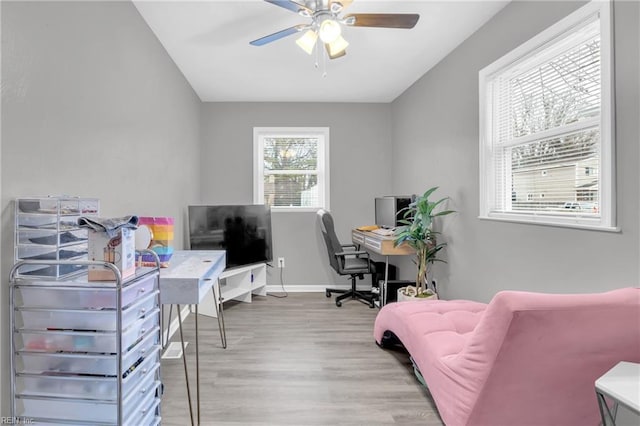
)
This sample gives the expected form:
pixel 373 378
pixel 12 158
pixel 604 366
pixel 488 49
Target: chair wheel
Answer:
pixel 338 303
pixel 372 305
pixel 327 293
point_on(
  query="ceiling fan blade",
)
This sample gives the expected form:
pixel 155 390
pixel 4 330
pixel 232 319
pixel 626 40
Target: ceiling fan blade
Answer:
pixel 292 6
pixel 337 55
pixel 382 20
pixel 277 36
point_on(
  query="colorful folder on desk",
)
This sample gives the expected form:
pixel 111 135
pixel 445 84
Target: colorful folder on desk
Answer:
pixel 368 228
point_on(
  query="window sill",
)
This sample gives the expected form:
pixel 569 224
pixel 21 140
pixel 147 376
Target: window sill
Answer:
pixel 546 222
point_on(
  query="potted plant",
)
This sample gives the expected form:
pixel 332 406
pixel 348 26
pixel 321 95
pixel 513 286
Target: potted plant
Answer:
pixel 417 231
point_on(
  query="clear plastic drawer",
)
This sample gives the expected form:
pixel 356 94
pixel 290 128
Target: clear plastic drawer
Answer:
pixel 106 365
pixel 35 252
pixel 75 410
pixel 140 405
pixel 60 206
pixel 74 341
pixel 66 410
pixel 78 297
pixel 47 221
pixel 50 271
pixel 84 320
pixel 152 417
pixel 146 416
pixel 84 387
pixel 142 376
pixel 52 237
pixel 69 386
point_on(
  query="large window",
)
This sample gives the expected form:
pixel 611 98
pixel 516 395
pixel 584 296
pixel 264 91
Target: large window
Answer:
pixel 291 168
pixel 546 114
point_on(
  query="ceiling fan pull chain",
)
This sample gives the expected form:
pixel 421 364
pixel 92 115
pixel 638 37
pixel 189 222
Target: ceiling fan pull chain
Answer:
pixel 324 65
pixel 315 47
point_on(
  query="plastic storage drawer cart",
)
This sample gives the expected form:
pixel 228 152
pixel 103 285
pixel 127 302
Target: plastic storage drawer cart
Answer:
pixel 46 228
pixel 85 352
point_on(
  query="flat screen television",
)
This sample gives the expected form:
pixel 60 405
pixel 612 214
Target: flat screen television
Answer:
pixel 243 231
pixel 388 210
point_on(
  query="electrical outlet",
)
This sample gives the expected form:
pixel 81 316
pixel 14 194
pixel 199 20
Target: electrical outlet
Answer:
pixel 281 262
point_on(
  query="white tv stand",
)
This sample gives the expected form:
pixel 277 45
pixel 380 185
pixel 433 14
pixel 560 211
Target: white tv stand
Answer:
pixel 236 284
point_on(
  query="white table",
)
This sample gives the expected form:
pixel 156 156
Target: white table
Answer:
pixel 190 275
pixel 622 385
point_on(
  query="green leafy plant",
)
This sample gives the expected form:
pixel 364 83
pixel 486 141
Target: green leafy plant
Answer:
pixel 417 231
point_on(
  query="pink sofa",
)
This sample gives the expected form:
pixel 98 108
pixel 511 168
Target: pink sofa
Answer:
pixel 523 359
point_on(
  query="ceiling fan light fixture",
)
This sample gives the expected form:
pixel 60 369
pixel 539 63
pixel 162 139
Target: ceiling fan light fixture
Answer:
pixel 307 41
pixel 329 30
pixel 337 46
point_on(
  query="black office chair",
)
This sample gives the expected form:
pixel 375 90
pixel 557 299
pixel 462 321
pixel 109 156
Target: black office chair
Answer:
pixel 346 260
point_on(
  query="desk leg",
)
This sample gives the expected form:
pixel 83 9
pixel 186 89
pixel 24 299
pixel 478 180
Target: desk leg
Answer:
pixel 184 361
pixel 165 336
pixel 197 369
pixel 217 300
pixel 608 416
pixel 383 292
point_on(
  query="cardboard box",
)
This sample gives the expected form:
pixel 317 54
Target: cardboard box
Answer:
pixel 119 250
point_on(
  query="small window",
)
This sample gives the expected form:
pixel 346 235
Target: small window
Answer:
pixel 291 167
pixel 546 114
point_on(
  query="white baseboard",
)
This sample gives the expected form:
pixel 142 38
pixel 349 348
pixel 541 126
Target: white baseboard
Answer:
pixel 276 288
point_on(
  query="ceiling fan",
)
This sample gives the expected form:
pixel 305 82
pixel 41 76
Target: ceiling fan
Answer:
pixel 326 24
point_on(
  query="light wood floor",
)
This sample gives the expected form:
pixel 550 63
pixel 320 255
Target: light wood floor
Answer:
pixel 299 360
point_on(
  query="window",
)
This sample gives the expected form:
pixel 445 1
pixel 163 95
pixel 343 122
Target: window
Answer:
pixel 546 137
pixel 291 168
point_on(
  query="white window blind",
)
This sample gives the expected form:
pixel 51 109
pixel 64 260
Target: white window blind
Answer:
pixel 290 168
pixel 546 143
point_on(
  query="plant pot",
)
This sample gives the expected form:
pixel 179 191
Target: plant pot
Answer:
pixel 402 297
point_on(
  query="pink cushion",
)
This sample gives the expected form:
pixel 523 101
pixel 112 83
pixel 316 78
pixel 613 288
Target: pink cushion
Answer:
pixel 525 358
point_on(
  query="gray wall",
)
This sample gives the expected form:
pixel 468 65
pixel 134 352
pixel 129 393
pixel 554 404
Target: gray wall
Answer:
pixel 435 143
pixel 360 170
pixel 93 106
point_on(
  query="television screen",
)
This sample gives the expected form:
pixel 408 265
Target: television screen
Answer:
pixel 243 231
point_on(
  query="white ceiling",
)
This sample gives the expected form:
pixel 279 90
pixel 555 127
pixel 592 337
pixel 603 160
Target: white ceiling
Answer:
pixel 209 42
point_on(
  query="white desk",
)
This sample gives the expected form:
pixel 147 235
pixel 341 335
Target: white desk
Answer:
pixel 622 385
pixel 190 275
pixel 383 245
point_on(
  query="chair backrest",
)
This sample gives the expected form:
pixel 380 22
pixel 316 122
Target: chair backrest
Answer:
pixel 330 239
pixel 540 354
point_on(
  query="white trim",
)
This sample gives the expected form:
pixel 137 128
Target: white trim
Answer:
pixel 531 221
pixel 313 288
pixel 258 166
pixel 488 194
pixel 554 133
pixel 607 180
pixel 323 171
pixel 539 41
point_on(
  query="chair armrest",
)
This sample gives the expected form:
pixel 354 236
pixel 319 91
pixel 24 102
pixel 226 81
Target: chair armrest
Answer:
pixel 355 247
pixel 352 253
